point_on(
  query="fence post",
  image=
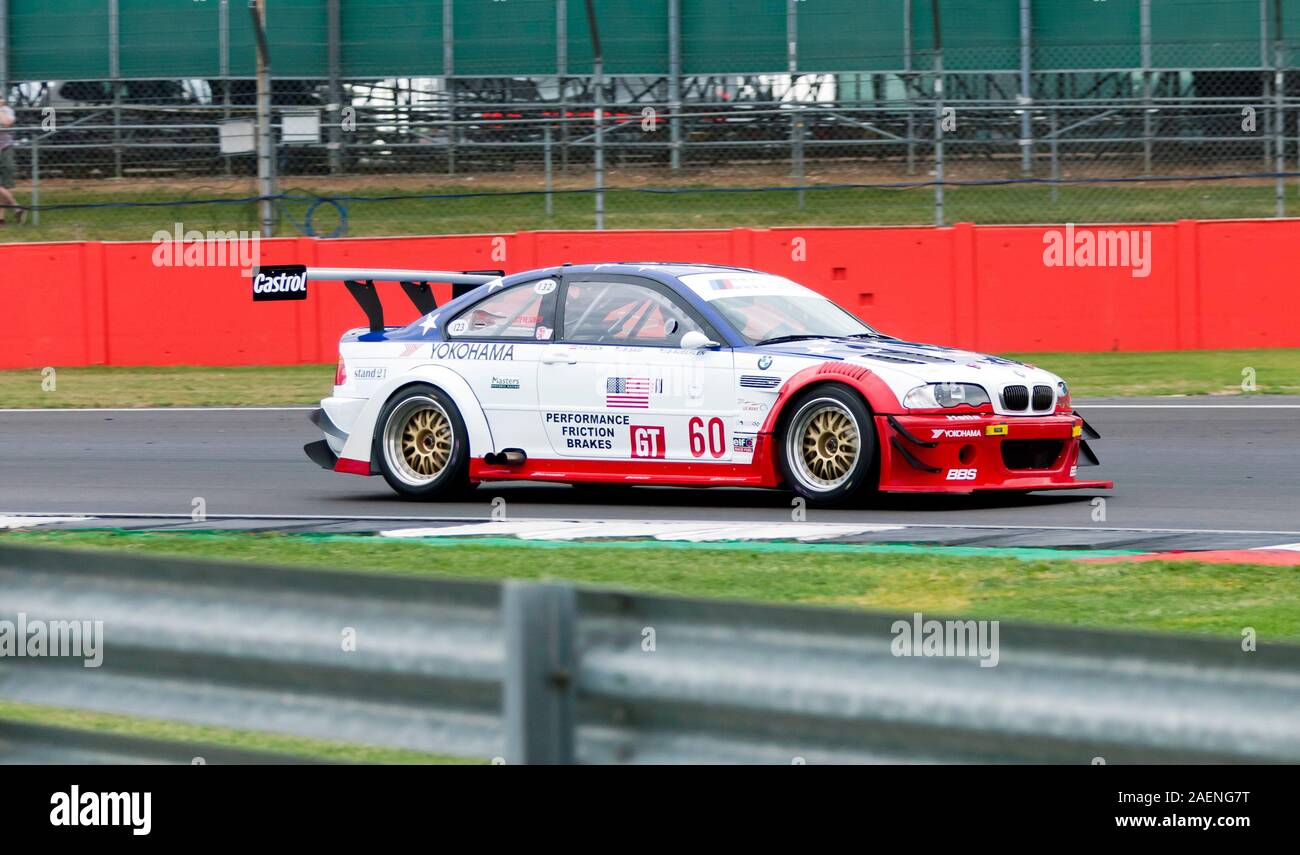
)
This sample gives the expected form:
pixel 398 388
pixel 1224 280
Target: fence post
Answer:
pixel 449 81
pixel 798 158
pixel 796 117
pixel 1279 110
pixel 335 144
pixel 267 149
pixel 223 67
pixel 908 89
pixel 1266 139
pixel 1026 98
pixel 4 48
pixel 1056 158
pixel 550 171
pixel 675 84
pixel 598 81
pixel 115 72
pixel 36 181
pixel 938 114
pixel 1144 39
pixel 539 690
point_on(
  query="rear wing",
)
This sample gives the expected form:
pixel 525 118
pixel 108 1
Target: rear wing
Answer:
pixel 289 282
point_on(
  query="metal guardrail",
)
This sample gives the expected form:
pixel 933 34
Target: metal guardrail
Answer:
pixel 551 673
pixel 263 649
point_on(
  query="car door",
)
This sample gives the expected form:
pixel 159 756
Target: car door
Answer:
pixel 617 384
pixel 495 345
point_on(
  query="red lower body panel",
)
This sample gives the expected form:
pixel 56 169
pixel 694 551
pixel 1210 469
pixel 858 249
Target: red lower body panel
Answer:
pixel 674 473
pixel 353 467
pixel 918 454
pixel 939 454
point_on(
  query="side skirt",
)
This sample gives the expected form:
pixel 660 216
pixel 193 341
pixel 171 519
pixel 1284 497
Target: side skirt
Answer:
pixel 759 473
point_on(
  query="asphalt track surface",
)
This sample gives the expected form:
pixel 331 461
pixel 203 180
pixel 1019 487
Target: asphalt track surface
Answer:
pixel 1195 472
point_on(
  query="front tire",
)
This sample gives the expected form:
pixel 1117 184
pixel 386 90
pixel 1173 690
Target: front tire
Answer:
pixel 421 444
pixel 828 447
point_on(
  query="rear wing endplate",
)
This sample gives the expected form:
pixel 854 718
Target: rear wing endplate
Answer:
pixel 289 282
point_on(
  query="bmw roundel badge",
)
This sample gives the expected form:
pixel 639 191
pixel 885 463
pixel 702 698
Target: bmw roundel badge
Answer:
pixel 764 363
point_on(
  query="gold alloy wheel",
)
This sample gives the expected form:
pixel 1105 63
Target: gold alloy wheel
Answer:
pixel 418 440
pixel 824 444
pixel 426 441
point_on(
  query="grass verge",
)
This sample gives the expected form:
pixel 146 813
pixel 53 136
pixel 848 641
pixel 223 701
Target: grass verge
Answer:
pixel 314 749
pixel 1189 372
pixel 179 386
pixel 1167 596
pixel 389 209
pixel 1182 372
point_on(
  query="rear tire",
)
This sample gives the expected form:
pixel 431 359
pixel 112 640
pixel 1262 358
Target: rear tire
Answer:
pixel 421 444
pixel 827 449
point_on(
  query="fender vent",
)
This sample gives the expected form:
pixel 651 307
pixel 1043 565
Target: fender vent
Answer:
pixel 899 360
pixel 903 356
pixel 853 372
pixel 754 381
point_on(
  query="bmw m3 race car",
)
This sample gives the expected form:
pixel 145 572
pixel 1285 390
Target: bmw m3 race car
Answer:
pixel 673 374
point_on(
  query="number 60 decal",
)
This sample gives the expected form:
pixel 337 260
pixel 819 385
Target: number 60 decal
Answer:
pixel 715 439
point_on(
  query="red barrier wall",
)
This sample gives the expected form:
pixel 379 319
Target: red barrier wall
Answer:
pixel 1213 284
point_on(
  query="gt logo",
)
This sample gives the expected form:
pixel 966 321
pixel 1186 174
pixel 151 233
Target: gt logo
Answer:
pixel 647 441
pixel 962 474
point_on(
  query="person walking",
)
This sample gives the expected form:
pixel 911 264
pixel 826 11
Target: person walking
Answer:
pixel 8 171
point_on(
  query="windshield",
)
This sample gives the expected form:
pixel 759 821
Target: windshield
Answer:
pixel 763 307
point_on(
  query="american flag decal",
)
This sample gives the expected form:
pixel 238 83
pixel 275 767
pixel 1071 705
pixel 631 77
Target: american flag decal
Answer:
pixel 629 392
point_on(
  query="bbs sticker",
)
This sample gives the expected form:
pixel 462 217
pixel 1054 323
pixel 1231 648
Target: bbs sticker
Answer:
pixel 546 286
pixel 458 327
pixel 962 474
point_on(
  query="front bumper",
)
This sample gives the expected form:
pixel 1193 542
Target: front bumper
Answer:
pixel 941 454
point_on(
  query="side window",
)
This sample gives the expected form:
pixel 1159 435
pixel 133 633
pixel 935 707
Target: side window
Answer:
pixel 622 313
pixel 522 312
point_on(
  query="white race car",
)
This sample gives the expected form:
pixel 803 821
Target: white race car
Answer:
pixel 673 374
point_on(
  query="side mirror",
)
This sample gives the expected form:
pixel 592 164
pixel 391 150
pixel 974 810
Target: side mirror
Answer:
pixel 696 340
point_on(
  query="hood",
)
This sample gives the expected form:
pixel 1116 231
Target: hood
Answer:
pixel 907 363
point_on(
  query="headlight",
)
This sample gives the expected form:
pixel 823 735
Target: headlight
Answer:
pixel 945 395
pixel 1062 393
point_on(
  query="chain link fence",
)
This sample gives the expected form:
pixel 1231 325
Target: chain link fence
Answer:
pixel 467 154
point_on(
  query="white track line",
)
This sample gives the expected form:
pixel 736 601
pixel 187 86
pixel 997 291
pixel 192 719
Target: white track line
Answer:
pixel 1081 404
pixel 24 521
pixel 154 409
pixel 701 523
pixel 674 531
